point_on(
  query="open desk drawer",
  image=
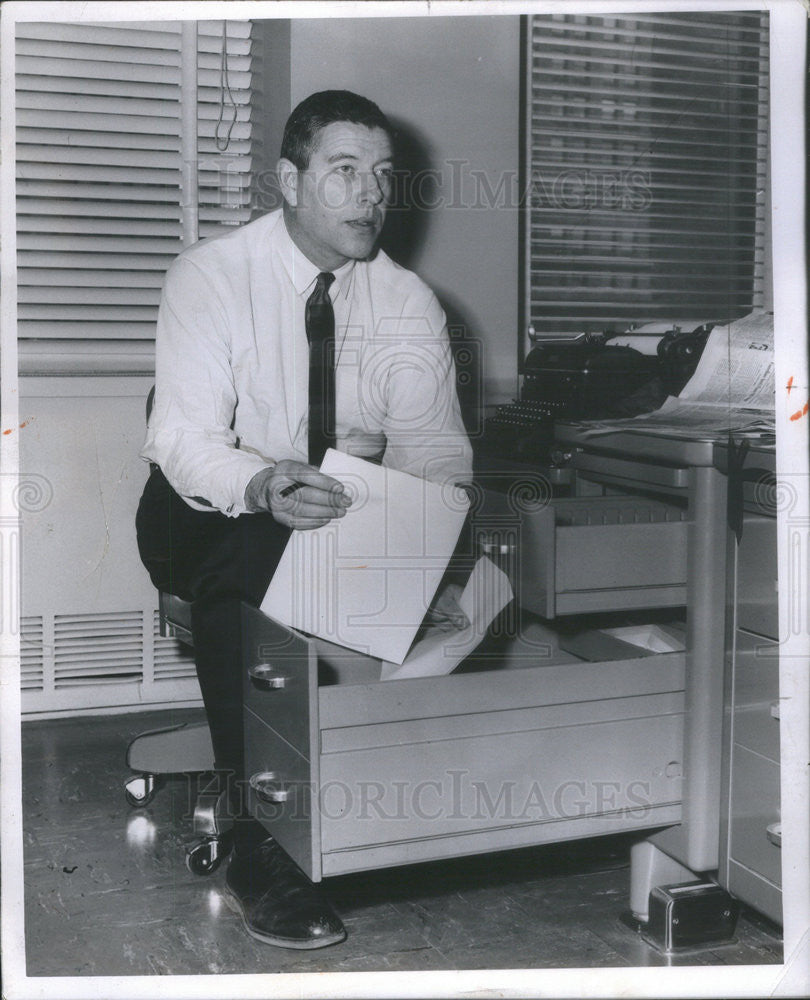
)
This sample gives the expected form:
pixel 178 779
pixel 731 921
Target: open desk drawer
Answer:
pixel 589 554
pixel 350 773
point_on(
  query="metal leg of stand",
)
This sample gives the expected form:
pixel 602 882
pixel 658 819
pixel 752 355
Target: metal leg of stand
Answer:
pixel 650 867
pixel 677 853
pixel 705 658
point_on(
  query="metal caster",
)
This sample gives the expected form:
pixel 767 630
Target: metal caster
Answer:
pixel 140 790
pixel 206 856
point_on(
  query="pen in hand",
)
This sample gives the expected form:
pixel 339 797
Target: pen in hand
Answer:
pixel 309 499
pixel 295 487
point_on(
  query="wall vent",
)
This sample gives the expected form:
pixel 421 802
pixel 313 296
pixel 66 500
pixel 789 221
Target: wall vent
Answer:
pixel 32 663
pixel 93 649
pixel 101 661
pixel 172 659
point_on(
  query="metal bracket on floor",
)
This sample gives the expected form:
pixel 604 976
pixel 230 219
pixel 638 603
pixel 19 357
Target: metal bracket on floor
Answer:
pixel 689 916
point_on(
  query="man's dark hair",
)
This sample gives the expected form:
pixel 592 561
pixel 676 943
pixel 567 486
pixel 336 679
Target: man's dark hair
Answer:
pixel 319 110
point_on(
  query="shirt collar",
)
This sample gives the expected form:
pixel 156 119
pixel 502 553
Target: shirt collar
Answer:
pixel 303 272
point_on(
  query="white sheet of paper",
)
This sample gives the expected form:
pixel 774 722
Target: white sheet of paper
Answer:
pixel 732 388
pixel 736 367
pixel 366 580
pixel 656 638
pixel 487 593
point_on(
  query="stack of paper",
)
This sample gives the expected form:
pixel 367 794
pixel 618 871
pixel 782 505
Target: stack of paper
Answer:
pixel 366 580
pixel 732 388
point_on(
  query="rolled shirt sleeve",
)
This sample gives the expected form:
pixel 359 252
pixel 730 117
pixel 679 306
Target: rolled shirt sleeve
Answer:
pixel 190 434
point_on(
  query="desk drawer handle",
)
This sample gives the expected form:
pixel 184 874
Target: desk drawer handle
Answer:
pixel 774 833
pixel 268 786
pixel 774 709
pixel 264 676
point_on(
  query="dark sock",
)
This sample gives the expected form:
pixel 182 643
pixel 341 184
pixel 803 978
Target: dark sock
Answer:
pixel 248 833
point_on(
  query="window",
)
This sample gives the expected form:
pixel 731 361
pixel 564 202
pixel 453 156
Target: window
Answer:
pixel 647 156
pixel 113 181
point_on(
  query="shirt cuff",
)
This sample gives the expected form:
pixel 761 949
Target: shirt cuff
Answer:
pixel 225 494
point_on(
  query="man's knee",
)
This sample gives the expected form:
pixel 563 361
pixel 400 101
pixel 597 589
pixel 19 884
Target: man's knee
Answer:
pixel 201 555
pixel 172 538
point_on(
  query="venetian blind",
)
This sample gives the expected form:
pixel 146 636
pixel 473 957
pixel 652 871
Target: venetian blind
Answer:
pixel 647 158
pixel 101 182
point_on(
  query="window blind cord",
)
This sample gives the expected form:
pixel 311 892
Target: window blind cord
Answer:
pixel 224 88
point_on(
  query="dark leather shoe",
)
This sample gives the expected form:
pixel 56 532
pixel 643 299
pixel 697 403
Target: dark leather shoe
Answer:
pixel 277 903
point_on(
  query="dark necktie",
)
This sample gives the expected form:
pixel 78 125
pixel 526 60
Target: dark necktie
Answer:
pixel 320 326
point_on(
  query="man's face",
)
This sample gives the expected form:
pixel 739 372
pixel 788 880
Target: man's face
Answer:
pixel 337 209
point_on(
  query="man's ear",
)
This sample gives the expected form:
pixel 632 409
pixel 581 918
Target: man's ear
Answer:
pixel 287 174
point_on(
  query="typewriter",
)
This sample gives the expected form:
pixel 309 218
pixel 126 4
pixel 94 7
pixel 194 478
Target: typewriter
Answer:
pixel 589 377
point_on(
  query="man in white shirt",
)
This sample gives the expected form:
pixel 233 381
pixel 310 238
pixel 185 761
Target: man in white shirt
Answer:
pixel 231 432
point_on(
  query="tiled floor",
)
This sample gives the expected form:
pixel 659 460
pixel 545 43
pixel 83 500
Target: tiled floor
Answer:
pixel 108 893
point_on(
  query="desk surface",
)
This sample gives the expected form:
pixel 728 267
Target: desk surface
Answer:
pixel 657 448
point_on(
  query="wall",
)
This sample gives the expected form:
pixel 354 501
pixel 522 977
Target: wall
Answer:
pixel 89 621
pixel 272 105
pixel 453 84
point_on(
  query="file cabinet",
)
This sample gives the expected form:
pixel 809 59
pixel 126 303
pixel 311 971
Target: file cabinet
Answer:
pixel 535 739
pixel 529 744
pixel 730 819
pixel 750 855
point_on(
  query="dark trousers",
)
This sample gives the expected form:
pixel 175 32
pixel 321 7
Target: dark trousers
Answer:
pixel 215 562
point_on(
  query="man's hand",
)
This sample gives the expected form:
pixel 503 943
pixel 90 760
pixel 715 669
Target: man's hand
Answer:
pixel 445 611
pixel 312 499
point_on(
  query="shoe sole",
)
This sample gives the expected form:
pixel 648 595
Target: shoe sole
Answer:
pixel 235 904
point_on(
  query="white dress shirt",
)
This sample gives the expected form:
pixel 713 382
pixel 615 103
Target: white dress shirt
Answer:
pixel 232 367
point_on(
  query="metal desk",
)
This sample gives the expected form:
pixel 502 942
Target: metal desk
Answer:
pixel 695 469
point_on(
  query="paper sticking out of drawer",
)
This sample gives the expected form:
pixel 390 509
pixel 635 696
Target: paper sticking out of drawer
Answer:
pixel 655 638
pixel 626 642
pixel 486 594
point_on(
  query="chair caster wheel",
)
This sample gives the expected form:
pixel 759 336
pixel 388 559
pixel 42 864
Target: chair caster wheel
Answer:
pixel 140 790
pixel 206 856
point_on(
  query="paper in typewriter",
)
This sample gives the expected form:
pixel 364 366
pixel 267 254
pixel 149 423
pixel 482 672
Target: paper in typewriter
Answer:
pixel 365 580
pixel 732 388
